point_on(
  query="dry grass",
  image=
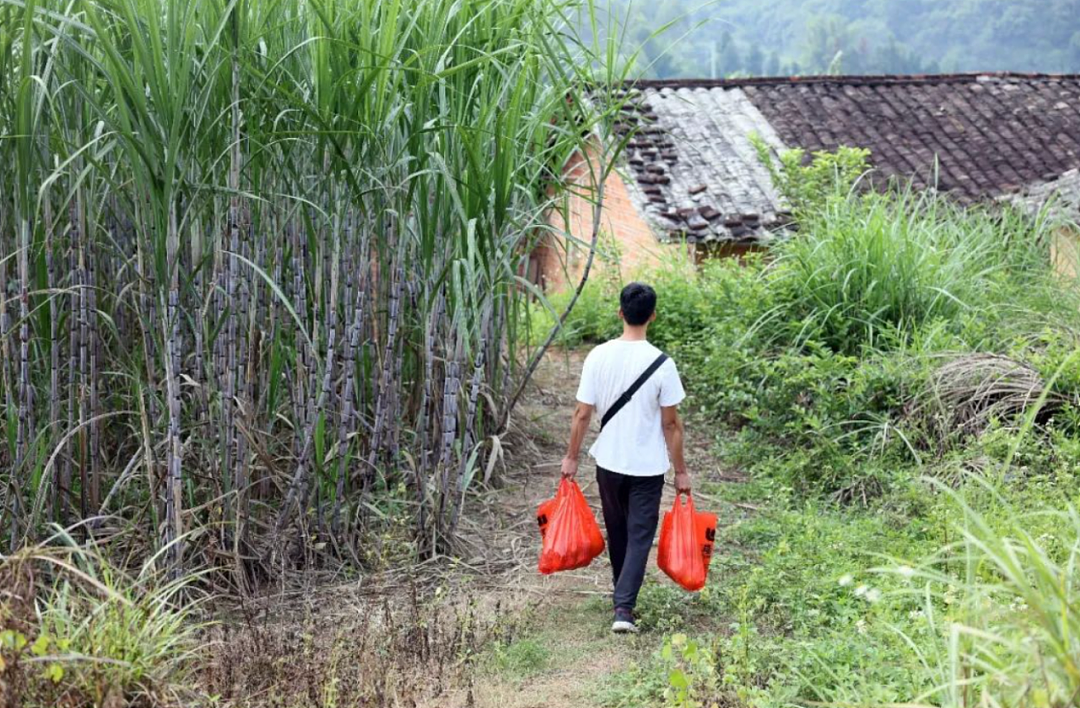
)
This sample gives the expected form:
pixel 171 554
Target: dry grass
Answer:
pixel 967 393
pixel 407 648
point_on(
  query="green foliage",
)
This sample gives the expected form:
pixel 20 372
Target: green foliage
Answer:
pixel 985 619
pixel 1015 634
pixel 521 658
pixel 18 648
pixel 691 672
pixel 807 182
pixel 751 37
pixel 681 319
pixel 662 607
pixel 594 318
pixel 897 603
pixel 875 269
pixel 642 684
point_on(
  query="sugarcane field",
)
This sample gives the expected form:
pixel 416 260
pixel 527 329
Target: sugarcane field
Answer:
pixel 520 353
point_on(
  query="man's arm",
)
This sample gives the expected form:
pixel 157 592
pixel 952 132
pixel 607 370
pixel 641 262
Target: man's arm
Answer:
pixel 578 428
pixel 673 434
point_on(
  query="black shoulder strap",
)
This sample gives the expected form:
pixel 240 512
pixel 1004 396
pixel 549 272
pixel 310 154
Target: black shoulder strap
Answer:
pixel 629 393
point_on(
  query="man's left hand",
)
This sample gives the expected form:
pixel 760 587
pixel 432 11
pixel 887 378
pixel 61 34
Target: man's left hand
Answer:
pixel 682 482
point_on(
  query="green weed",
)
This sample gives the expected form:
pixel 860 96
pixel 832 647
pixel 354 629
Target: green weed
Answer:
pixel 95 633
pixel 521 658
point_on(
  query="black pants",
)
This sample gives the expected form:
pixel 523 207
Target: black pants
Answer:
pixel 631 509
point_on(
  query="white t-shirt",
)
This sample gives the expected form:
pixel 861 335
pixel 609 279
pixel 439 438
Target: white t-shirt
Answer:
pixel 632 442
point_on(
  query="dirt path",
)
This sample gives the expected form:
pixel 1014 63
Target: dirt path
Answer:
pixel 484 630
pixel 567 653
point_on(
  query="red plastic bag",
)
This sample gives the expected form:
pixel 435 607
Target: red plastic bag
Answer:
pixel 571 537
pixel 686 542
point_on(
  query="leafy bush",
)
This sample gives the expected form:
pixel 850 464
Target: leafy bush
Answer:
pixel 807 180
pixel 594 318
pixel 684 309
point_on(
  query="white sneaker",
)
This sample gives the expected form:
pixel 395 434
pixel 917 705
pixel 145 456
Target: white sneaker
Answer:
pixel 624 623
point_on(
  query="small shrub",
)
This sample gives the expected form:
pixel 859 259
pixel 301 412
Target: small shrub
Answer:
pixel 692 672
pixel 521 658
pixel 807 181
pixel 96 636
pixel 662 607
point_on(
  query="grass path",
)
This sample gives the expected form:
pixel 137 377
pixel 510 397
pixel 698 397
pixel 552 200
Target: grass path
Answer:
pixel 565 655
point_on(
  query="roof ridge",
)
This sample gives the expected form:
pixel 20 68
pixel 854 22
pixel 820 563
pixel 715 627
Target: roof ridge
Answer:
pixel 852 79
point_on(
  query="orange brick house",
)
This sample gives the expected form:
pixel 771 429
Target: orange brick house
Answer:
pixel 690 184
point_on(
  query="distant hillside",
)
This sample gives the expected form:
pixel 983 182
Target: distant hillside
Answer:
pixel 852 36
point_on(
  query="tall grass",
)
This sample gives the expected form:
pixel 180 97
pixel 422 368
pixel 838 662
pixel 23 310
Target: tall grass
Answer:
pixel 1016 638
pixel 252 254
pixel 866 270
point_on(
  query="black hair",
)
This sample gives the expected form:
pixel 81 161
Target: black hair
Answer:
pixel 638 303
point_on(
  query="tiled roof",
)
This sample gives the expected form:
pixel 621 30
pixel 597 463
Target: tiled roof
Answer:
pixel 974 137
pixel 1060 196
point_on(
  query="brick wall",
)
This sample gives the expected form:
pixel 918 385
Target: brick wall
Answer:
pixel 1065 253
pixel 626 242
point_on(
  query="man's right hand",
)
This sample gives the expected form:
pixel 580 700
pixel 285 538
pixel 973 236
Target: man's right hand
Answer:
pixel 569 467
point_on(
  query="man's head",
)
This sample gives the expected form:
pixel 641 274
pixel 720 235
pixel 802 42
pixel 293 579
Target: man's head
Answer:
pixel 637 304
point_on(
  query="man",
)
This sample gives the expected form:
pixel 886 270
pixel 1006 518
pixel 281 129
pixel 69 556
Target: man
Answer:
pixel 639 440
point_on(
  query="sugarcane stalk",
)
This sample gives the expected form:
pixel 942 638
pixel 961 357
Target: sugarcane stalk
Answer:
pixel 451 386
pixel 25 424
pixel 352 344
pixel 147 401
pixel 424 414
pixel 84 337
pixel 232 359
pixel 302 350
pixel 198 373
pixel 235 479
pixel 297 493
pixel 173 479
pixel 95 402
pixel 332 334
pixel 5 319
pixel 58 511
pixel 384 402
pixel 64 488
pixel 467 442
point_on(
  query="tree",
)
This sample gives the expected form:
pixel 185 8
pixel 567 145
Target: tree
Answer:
pixel 874 36
pixel 730 60
pixel 772 65
pixel 827 39
pixel 755 60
